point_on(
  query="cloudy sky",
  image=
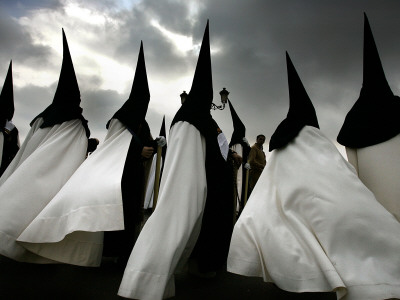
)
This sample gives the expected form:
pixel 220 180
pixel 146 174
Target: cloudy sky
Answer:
pixel 248 42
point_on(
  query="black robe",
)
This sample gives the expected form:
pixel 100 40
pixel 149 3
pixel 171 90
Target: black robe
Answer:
pixel 120 243
pixel 10 149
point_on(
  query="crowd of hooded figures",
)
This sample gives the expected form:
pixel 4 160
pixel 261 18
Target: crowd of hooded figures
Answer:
pixel 315 222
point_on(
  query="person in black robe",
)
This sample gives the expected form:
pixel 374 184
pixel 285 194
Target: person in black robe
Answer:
pixel 9 131
pixel 211 249
pixel 141 149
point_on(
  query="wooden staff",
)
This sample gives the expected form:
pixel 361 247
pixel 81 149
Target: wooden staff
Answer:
pixel 246 188
pixel 157 177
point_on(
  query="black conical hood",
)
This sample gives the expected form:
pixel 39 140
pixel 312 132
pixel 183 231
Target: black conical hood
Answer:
pixel 202 88
pixel 374 79
pixel 374 117
pixel 162 129
pixel 196 108
pixel 67 98
pixel 239 130
pixel 67 93
pixel 134 110
pixel 301 111
pixel 7 98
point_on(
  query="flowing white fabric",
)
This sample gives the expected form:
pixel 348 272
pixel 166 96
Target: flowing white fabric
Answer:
pixel 70 228
pixel 30 144
pixel 311 225
pixel 46 160
pixel 171 232
pixel 378 167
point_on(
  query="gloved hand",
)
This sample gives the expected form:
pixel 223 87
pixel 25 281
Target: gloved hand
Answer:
pixel 247 166
pixel 9 126
pixel 246 141
pixel 161 141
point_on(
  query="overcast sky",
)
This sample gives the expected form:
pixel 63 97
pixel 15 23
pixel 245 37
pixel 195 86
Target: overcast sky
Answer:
pixel 248 42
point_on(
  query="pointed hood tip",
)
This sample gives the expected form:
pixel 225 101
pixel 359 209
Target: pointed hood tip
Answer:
pixel 376 102
pixel 239 130
pixel 7 97
pixel 374 78
pixel 301 111
pixel 202 87
pixel 133 111
pixel 67 92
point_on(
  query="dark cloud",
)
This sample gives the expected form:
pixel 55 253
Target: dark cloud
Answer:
pixel 21 7
pixel 323 38
pixel 16 44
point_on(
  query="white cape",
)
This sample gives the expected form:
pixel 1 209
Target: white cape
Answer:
pixel 171 232
pixel 378 167
pixel 70 228
pixel 46 160
pixel 311 225
pixel 28 147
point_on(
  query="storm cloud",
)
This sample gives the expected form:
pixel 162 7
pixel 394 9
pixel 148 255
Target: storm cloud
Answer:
pixel 248 42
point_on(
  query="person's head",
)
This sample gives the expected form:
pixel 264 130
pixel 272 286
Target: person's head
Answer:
pixel 260 139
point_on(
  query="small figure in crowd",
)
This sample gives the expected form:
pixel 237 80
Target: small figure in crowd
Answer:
pixel 257 161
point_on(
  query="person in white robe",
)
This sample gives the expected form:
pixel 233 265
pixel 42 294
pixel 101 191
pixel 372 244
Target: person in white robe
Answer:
pixel 104 194
pixel 9 139
pixel 54 148
pixel 371 131
pixel 193 216
pixel 310 224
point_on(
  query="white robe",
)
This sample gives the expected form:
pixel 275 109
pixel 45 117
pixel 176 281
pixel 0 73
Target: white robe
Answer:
pixel 28 147
pixel 70 228
pixel 171 232
pixel 46 160
pixel 378 167
pixel 311 225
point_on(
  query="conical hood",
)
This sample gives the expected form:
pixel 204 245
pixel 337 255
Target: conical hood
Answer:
pixel 374 79
pixel 301 111
pixel 134 110
pixel 66 101
pixel 162 129
pixel 7 98
pixel 202 88
pixel 239 130
pixel 67 93
pixel 374 117
pixel 196 108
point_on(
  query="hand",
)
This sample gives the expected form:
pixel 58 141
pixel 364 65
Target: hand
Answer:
pixel 147 152
pixel 161 141
pixel 9 126
pixel 247 166
pixel 237 158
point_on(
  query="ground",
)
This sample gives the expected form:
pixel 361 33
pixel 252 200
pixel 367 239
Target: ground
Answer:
pixel 22 281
